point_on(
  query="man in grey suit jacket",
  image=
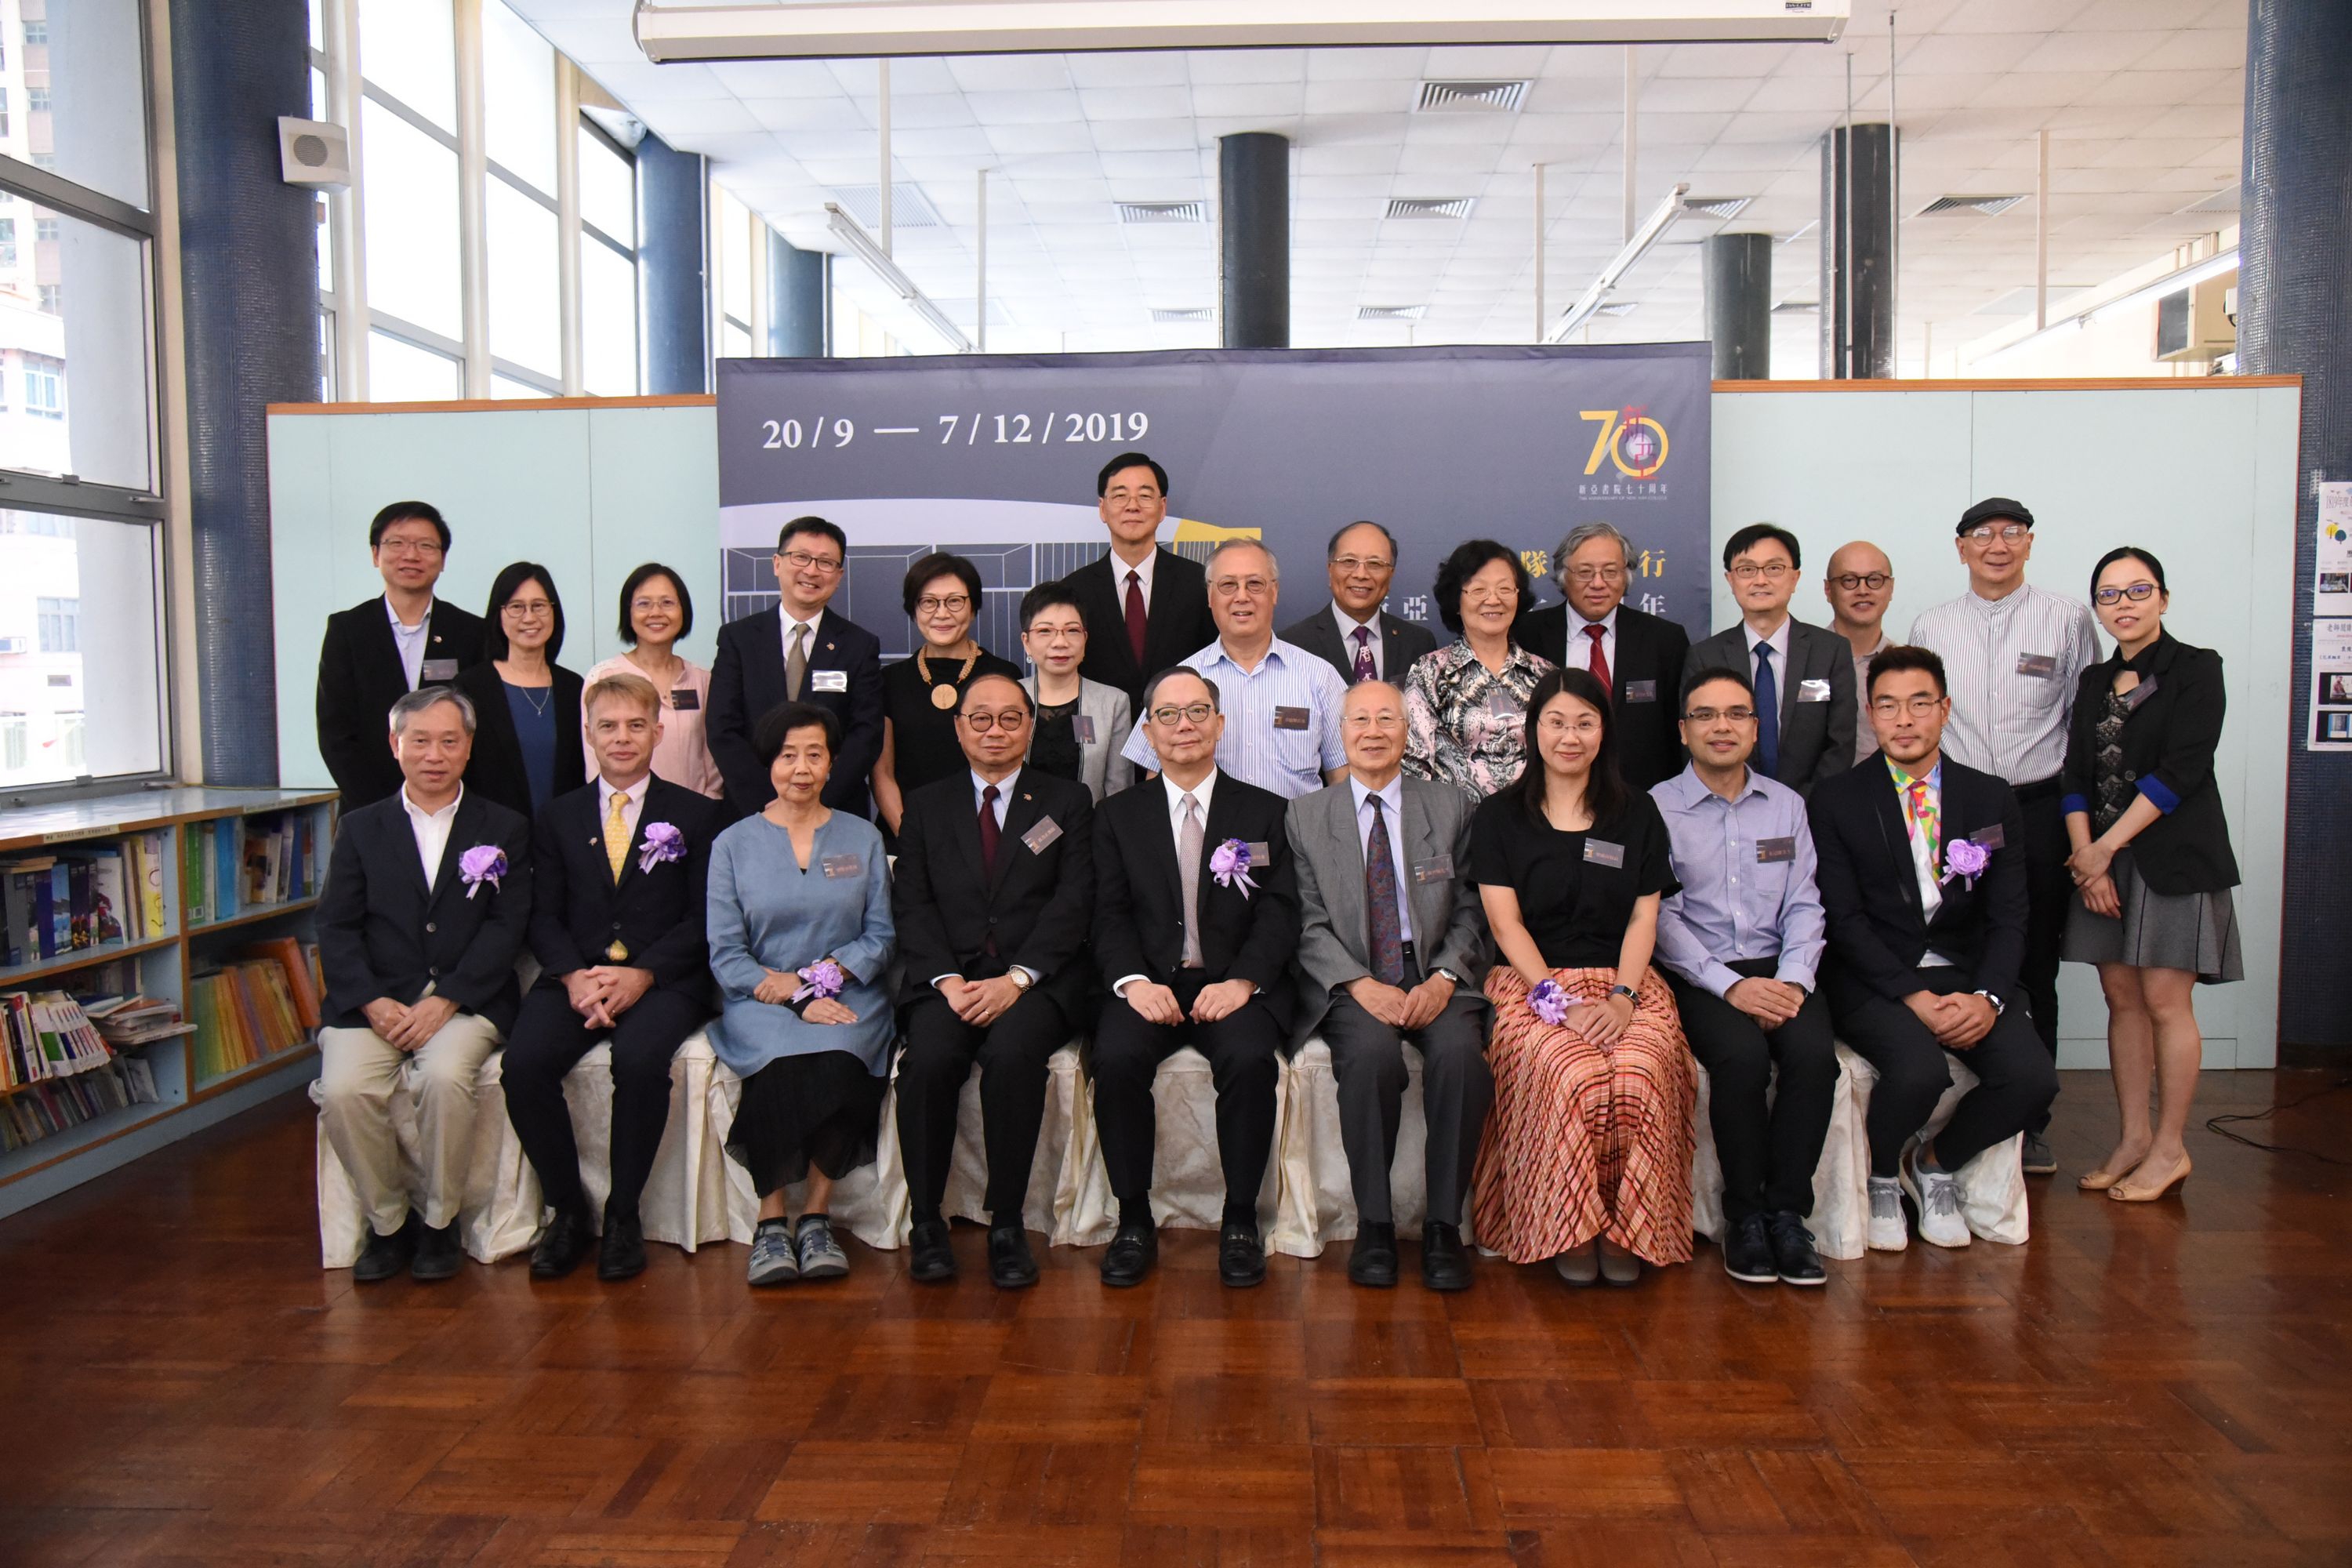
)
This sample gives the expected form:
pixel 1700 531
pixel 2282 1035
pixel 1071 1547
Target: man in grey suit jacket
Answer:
pixel 1392 948
pixel 1353 632
pixel 1802 675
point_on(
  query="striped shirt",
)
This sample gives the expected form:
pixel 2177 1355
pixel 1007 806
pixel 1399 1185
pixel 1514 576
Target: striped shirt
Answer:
pixel 2010 665
pixel 1282 719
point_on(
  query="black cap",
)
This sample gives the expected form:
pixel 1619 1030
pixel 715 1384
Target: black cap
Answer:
pixel 1993 507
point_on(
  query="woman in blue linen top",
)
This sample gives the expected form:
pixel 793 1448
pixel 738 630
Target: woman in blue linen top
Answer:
pixel 794 885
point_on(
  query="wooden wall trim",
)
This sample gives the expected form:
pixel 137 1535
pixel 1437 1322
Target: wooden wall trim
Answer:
pixel 497 404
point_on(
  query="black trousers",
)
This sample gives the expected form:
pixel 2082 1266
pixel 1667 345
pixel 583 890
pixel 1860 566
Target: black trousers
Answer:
pixel 548 1042
pixel 1457 1089
pixel 2049 893
pixel 2016 1078
pixel 1244 1048
pixel 1769 1153
pixel 939 1057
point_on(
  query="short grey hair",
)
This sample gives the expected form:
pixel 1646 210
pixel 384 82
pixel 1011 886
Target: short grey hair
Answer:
pixel 415 703
pixel 1273 567
pixel 1151 689
pixel 1583 533
pixel 1332 549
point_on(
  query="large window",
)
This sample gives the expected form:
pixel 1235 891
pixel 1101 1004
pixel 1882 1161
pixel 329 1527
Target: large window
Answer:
pixel 608 263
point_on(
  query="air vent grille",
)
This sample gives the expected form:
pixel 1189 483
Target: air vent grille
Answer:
pixel 1391 313
pixel 2224 200
pixel 1718 206
pixel 1432 207
pixel 910 208
pixel 1167 314
pixel 1984 207
pixel 1472 97
pixel 1163 212
pixel 1620 308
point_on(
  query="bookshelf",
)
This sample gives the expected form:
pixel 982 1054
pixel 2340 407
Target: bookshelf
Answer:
pixel 227 884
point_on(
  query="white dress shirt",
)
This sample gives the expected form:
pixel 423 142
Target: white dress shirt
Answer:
pixel 2005 722
pixel 632 803
pixel 1922 862
pixel 1578 653
pixel 808 648
pixel 432 831
pixel 410 640
pixel 1349 626
pixel 1142 569
pixel 1393 808
pixel 1200 793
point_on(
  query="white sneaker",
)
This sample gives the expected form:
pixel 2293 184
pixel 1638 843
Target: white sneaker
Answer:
pixel 1936 1195
pixel 1887 1231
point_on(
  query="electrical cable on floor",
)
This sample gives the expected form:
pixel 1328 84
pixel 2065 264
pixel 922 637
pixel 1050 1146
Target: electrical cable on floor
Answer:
pixel 2213 1125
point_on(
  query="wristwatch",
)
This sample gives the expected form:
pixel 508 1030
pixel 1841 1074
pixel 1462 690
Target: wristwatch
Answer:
pixel 1999 1007
pixel 1627 991
pixel 1449 975
pixel 1021 981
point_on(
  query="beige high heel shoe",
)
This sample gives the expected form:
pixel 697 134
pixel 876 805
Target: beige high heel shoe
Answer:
pixel 2127 1194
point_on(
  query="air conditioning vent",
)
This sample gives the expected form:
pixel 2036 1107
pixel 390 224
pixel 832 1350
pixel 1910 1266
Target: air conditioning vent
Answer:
pixel 910 208
pixel 1172 314
pixel 1471 97
pixel 1621 308
pixel 1391 313
pixel 2224 200
pixel 1163 212
pixel 1984 207
pixel 1726 207
pixel 1432 207
pixel 1798 308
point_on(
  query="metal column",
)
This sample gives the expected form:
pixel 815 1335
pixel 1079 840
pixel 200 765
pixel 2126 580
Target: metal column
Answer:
pixel 1739 277
pixel 1254 239
pixel 1857 235
pixel 673 267
pixel 795 300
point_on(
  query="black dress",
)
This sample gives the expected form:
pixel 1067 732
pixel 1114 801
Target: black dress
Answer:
pixel 1053 745
pixel 1573 902
pixel 922 734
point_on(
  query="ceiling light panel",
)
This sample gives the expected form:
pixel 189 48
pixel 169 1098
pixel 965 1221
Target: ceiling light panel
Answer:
pixel 909 207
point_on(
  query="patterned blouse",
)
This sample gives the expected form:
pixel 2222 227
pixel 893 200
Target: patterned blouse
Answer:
pixel 1464 724
pixel 2114 786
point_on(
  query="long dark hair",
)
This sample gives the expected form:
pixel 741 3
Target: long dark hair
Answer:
pixel 1605 794
pixel 504 586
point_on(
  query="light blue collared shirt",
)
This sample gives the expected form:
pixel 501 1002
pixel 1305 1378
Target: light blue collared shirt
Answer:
pixel 410 640
pixel 1393 808
pixel 1733 905
pixel 1290 763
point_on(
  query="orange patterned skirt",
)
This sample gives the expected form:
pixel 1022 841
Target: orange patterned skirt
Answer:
pixel 1586 1141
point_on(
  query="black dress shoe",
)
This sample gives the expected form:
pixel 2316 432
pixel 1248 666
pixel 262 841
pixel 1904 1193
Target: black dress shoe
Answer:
pixel 1748 1252
pixel 385 1256
pixel 622 1254
pixel 1133 1251
pixel 1374 1260
pixel 1445 1262
pixel 933 1259
pixel 562 1244
pixel 1794 1257
pixel 1241 1256
pixel 438 1255
pixel 1010 1265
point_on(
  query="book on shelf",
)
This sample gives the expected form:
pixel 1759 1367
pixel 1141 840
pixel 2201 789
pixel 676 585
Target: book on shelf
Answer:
pixel 48 1036
pixel 243 1012
pixel 136 1020
pixel 280 862
pixel 59 905
pixel 46 1109
pixel 143 857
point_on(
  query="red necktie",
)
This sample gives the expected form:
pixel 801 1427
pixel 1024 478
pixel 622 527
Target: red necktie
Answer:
pixel 1599 663
pixel 1364 670
pixel 989 831
pixel 1135 617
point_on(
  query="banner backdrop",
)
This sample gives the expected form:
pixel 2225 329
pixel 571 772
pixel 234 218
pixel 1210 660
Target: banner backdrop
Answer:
pixel 996 458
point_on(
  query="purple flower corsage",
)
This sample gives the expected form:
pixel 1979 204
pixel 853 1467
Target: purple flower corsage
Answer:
pixel 1966 859
pixel 824 978
pixel 1550 1001
pixel 663 842
pixel 1230 864
pixel 482 863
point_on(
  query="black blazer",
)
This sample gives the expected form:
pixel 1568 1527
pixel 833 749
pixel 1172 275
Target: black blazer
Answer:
pixel 1870 891
pixel 578 912
pixel 1177 626
pixel 748 679
pixel 2169 744
pixel 1650 648
pixel 495 768
pixel 1039 906
pixel 1816 737
pixel 360 678
pixel 381 933
pixel 1401 642
pixel 1139 893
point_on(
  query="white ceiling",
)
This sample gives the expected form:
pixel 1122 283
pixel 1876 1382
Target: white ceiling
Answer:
pixel 2142 99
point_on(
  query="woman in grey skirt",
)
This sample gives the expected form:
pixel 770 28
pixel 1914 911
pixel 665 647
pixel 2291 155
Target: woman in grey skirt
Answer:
pixel 2152 865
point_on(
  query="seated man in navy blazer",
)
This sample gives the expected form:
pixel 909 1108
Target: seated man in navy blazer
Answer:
pixel 619 870
pixel 1922 876
pixel 993 894
pixel 426 902
pixel 1196 920
pixel 799 651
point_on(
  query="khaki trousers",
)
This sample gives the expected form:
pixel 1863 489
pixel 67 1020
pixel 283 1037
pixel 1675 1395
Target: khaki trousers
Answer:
pixel 359 1073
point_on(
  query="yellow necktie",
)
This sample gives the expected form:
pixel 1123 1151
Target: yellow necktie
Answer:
pixel 616 836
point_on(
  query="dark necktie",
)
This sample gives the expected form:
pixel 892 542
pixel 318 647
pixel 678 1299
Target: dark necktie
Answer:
pixel 989 831
pixel 1767 712
pixel 796 664
pixel 1380 898
pixel 1599 661
pixel 1135 617
pixel 1364 670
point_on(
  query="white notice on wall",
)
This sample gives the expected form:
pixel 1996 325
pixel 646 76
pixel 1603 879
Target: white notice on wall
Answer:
pixel 2331 687
pixel 2332 581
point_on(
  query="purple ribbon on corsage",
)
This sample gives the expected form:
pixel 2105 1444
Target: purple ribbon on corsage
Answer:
pixel 1550 1001
pixel 663 842
pixel 821 979
pixel 1966 859
pixel 1230 864
pixel 482 863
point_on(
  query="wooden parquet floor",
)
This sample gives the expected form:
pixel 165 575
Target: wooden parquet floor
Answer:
pixel 2171 1384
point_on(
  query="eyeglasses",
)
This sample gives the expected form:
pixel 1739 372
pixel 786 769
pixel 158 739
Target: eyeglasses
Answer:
pixel 802 560
pixel 953 604
pixel 1010 718
pixel 1198 712
pixel 2008 533
pixel 1252 586
pixel 1120 493
pixel 424 547
pixel 1596 574
pixel 2136 593
pixel 1919 707
pixel 1706 716
pixel 1748 571
pixel 1380 719
pixel 526 609
pixel 1351 565
pixel 1557 726
pixel 1873 580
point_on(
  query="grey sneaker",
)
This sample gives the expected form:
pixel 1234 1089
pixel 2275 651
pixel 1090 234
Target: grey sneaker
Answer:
pixel 773 1261
pixel 1888 1233
pixel 821 1256
pixel 1936 1195
pixel 2038 1160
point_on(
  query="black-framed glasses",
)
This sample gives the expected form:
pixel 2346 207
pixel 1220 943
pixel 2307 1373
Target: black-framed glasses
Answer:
pixel 1198 712
pixel 1873 580
pixel 2136 593
pixel 802 560
pixel 1010 718
pixel 1920 707
pixel 1704 716
pixel 1748 570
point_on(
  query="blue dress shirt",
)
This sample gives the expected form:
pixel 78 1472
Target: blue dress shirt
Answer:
pixel 1735 905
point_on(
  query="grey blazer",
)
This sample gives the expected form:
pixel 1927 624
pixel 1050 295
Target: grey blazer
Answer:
pixel 1401 642
pixel 1816 737
pixel 1100 767
pixel 1449 926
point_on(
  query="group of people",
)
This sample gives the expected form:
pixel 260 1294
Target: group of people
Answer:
pixel 1571 858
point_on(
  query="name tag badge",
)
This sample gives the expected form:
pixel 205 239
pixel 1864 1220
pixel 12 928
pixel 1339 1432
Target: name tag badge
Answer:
pixel 1772 851
pixel 1641 691
pixel 1040 836
pixel 1436 868
pixel 1259 855
pixel 2139 694
pixel 685 698
pixel 1601 852
pixel 828 681
pixel 840 866
pixel 1290 717
pixel 1084 723
pixel 1813 691
pixel 437 669
pixel 1991 836
pixel 2043 665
